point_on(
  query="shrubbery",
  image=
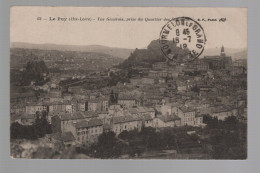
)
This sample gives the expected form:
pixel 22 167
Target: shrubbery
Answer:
pixel 227 138
pixel 34 131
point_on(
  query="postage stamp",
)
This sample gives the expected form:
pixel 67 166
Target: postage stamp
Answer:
pixel 182 39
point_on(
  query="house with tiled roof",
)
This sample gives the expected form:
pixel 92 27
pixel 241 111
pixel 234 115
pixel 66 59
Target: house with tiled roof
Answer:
pixel 32 108
pixel 166 121
pixel 147 120
pixel 65 106
pixel 199 120
pixel 17 108
pixel 104 116
pixel 127 122
pixel 94 104
pixel 87 114
pixel 64 122
pixel 151 98
pixel 87 132
pixel 23 97
pixel 68 139
pixel 187 115
pixel 133 111
pixel 126 101
pixel 146 110
pixel 98 104
pixel 82 105
pixel 67 95
pixel 115 110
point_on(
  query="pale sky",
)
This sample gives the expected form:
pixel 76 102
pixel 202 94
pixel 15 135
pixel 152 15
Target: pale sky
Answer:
pixel 24 26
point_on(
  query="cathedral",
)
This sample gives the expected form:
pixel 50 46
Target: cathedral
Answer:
pixel 219 61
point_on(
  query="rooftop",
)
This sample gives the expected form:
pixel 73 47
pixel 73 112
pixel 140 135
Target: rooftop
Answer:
pixel 185 109
pixel 147 117
pixel 90 123
pixel 67 136
pixel 66 117
pixel 169 118
pixel 124 119
pixel 28 116
pixel 18 95
pixel 126 97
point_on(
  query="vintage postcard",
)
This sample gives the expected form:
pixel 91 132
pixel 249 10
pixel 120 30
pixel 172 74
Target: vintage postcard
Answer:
pixel 128 83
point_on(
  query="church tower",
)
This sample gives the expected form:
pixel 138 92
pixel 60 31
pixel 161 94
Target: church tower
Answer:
pixel 222 53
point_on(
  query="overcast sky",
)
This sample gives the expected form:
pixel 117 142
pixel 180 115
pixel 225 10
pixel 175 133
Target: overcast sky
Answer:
pixel 24 26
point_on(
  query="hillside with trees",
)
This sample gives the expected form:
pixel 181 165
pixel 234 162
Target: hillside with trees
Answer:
pixel 35 71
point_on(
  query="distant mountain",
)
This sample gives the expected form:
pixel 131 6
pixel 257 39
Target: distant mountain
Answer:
pixel 122 53
pixel 234 53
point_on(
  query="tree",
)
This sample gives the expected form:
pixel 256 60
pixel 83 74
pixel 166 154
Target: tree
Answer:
pixel 156 141
pixel 123 135
pixel 106 146
pixel 231 120
pixel 211 122
pixel 107 139
pixel 113 97
pixel 169 137
pixel 128 135
pixel 39 129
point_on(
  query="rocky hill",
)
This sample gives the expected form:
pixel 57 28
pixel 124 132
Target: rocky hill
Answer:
pixel 153 53
pixel 147 57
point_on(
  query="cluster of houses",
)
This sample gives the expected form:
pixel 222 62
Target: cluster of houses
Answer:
pixel 161 97
pixel 87 119
pixel 87 126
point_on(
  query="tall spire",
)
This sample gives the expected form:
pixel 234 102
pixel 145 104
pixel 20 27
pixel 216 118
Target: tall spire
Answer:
pixel 222 49
pixel 222 53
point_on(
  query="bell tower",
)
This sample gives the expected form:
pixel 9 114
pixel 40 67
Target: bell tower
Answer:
pixel 222 53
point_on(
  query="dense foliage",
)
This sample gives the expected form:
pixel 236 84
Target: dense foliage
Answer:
pixel 228 138
pixel 34 72
pixel 134 143
pixel 34 131
pixel 218 140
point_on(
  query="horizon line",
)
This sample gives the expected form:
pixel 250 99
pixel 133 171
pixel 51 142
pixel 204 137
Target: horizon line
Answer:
pixel 145 47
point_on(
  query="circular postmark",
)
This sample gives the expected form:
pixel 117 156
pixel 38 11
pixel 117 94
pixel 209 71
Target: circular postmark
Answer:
pixel 182 39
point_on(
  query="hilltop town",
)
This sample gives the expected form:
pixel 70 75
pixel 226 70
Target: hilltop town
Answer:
pixel 82 98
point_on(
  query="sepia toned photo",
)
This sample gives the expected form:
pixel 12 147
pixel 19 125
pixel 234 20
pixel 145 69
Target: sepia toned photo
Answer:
pixel 128 83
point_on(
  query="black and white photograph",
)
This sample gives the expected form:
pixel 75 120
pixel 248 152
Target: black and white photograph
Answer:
pixel 128 83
